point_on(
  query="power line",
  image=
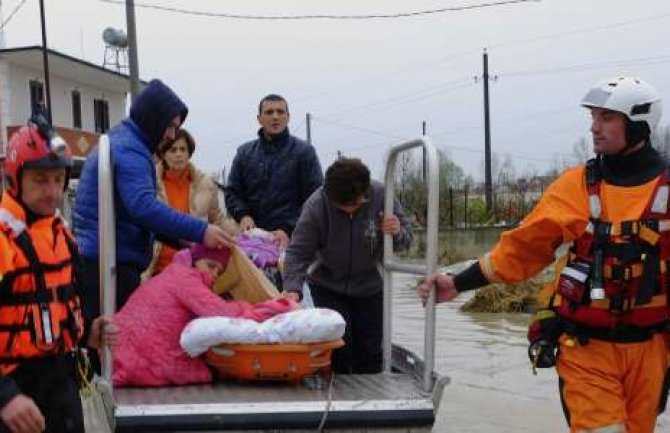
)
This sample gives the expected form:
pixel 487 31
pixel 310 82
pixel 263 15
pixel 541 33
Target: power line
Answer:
pixel 431 91
pixel 501 121
pixel 325 16
pixel 654 17
pixel 11 14
pixel 356 128
pixel 644 61
pixel 497 152
pixel 299 127
pixel 236 142
pixel 230 142
pixel 386 75
pixel 457 55
pixel 458 149
pixel 386 143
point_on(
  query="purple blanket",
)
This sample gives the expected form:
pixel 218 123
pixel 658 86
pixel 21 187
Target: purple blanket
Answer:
pixel 263 252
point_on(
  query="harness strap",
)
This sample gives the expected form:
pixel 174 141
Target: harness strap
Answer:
pixel 74 324
pixel 624 273
pixel 605 304
pixel 620 334
pixel 63 293
pixel 41 292
pixel 8 279
pixel 29 359
pixel 15 328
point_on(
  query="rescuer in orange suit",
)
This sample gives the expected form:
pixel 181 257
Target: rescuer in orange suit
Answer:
pixel 608 312
pixel 40 306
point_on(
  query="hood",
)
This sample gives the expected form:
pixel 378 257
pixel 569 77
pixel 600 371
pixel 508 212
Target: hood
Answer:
pixel 154 108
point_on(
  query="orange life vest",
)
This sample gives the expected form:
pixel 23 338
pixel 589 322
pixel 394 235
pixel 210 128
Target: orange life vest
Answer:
pixel 40 312
pixel 617 275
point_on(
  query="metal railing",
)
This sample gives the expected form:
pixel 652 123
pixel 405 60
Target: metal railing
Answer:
pixel 430 264
pixel 106 242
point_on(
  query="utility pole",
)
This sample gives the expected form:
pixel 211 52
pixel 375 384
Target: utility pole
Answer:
pixel 488 184
pixel 133 65
pixel 2 31
pixel 423 133
pixel 45 61
pixel 308 127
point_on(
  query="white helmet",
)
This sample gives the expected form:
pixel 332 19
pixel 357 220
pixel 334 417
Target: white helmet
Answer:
pixel 630 96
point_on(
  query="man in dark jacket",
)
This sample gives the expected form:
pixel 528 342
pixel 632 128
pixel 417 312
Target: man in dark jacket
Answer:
pixel 339 239
pixel 272 176
pixel 155 115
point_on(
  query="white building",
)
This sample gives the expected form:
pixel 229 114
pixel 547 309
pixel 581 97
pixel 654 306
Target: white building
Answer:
pixel 86 99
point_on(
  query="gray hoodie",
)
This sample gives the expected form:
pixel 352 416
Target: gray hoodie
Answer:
pixel 345 251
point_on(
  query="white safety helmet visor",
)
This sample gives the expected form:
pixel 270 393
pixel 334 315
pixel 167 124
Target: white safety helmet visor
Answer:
pixel 630 96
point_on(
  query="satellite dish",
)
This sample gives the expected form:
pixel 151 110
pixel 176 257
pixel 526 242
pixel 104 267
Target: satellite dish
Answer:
pixel 115 37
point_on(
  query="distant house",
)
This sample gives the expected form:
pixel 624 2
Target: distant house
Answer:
pixel 86 99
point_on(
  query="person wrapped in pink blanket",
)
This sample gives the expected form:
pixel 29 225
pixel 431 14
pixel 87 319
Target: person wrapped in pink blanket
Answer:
pixel 150 324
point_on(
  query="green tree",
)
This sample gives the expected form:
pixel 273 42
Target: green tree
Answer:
pixel 412 189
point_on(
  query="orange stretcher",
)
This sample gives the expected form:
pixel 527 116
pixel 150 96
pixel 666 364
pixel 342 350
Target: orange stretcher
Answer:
pixel 281 362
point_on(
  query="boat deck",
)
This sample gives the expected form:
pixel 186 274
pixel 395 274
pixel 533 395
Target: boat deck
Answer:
pixel 369 401
pixel 378 400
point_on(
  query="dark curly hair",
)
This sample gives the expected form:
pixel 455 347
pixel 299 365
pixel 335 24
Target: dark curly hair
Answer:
pixel 182 134
pixel 347 179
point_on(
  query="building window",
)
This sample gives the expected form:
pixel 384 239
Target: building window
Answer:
pixel 36 96
pixel 76 109
pixel 101 115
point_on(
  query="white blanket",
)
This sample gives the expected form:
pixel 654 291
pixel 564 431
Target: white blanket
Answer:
pixel 311 325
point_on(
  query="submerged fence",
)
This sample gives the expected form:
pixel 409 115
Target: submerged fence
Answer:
pixel 466 207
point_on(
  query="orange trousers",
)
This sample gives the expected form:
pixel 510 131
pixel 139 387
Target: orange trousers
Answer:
pixel 612 387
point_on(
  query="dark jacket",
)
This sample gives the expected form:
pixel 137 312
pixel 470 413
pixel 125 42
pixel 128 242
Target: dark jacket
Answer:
pixel 270 181
pixel 138 213
pixel 346 257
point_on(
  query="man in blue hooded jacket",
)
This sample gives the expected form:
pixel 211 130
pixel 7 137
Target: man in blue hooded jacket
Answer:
pixel 273 175
pixel 155 115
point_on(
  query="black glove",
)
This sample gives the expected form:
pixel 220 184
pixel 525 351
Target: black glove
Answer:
pixel 542 354
pixel 543 334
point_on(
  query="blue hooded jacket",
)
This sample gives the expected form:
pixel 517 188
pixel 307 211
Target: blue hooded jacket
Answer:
pixel 138 214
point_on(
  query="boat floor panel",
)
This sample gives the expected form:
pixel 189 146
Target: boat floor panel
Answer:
pixel 380 387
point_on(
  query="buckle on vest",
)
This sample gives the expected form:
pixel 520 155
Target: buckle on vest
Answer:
pixel 648 235
pixel 602 229
pixel 618 273
pixel 629 228
pixel 652 224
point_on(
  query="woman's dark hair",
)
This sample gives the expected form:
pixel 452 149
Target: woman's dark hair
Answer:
pixel 347 179
pixel 182 134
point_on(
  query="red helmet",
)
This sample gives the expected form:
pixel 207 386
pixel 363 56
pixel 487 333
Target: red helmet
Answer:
pixel 34 146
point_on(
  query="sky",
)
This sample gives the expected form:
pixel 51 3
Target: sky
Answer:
pixel 370 84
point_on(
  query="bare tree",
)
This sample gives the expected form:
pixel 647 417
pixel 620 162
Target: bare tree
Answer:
pixel 581 150
pixel 506 171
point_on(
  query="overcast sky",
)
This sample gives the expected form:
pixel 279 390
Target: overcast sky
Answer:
pixel 371 83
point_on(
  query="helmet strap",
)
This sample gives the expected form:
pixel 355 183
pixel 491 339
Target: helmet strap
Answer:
pixel 636 132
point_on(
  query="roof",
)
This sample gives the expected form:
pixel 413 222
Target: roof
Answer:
pixel 69 67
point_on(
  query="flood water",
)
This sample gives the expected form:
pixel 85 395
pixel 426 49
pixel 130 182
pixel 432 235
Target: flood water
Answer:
pixel 492 387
